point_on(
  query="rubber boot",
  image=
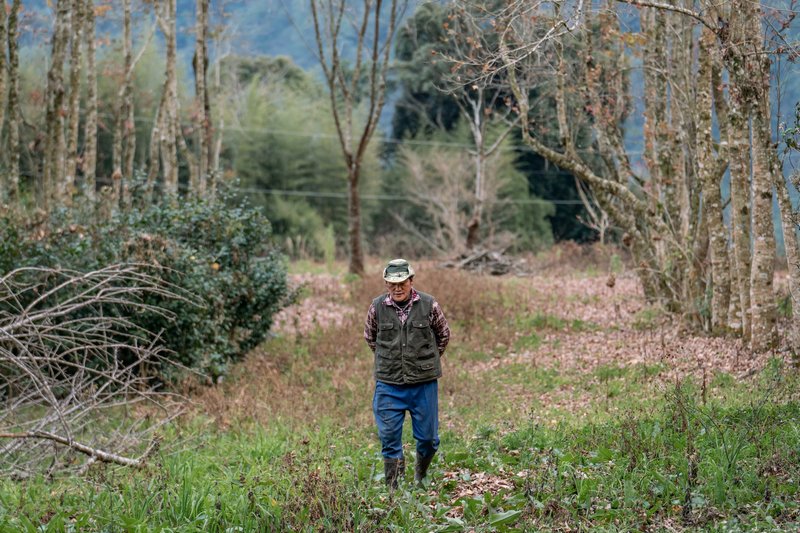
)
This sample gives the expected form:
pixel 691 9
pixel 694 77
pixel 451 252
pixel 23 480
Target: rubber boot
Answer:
pixel 421 468
pixel 394 469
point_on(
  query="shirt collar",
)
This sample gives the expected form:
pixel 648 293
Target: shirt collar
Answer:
pixel 388 300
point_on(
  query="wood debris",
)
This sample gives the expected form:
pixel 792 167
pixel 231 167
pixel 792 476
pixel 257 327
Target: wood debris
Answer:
pixel 483 261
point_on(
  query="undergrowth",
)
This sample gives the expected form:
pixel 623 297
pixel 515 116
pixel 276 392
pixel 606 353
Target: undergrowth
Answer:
pixel 287 442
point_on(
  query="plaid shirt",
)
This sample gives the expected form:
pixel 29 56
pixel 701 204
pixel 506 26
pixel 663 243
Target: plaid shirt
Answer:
pixel 438 322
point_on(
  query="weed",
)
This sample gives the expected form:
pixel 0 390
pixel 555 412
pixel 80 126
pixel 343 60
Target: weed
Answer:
pixel 648 318
pixel 288 443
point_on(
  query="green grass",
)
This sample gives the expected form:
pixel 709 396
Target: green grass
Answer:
pixel 675 459
pixel 523 448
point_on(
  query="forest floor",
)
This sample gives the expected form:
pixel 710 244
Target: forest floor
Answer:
pixel 567 404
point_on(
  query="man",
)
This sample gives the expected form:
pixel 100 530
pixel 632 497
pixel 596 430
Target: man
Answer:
pixel 407 331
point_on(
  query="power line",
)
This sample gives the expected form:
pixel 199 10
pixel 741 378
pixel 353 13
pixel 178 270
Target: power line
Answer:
pixel 324 194
pixel 342 195
pixel 389 140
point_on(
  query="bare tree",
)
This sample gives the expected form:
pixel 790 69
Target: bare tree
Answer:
pixel 750 74
pixel 3 82
pixel 354 77
pixel 596 218
pixel 484 105
pixel 12 189
pixel 170 128
pixel 90 128
pixel 438 182
pixel 709 173
pixel 202 102
pixel 70 370
pixel 672 213
pixel 73 109
pixel 55 146
pixel 124 136
pixel 221 37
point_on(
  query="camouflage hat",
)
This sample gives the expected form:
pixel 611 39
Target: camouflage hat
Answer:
pixel 397 271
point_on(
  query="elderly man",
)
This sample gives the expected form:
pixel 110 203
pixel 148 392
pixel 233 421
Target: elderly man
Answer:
pixel 407 331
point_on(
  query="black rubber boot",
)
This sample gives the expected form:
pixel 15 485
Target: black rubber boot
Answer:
pixel 394 470
pixel 421 468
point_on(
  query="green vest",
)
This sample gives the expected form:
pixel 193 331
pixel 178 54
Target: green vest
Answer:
pixel 407 353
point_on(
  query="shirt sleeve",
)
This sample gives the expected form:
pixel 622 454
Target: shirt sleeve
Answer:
pixel 371 328
pixel 439 326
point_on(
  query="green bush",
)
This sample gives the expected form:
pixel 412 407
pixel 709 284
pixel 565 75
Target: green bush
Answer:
pixel 220 254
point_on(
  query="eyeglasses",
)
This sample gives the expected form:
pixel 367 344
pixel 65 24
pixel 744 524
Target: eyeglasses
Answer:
pixel 400 285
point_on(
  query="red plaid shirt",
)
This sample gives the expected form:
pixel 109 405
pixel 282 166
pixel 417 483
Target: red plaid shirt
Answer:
pixel 438 322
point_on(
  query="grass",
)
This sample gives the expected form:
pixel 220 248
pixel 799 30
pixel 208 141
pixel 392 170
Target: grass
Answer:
pixel 287 443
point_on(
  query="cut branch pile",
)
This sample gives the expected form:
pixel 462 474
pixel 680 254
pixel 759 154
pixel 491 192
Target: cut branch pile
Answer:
pixel 484 261
pixel 72 367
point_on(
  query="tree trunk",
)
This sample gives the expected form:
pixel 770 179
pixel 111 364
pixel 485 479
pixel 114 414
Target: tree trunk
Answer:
pixel 739 145
pixel 356 264
pixel 764 333
pixel 792 248
pixel 218 132
pixel 55 148
pixel 155 137
pixel 124 135
pixel 477 125
pixel 712 199
pixel 3 81
pixel 90 134
pixel 13 102
pixel 169 136
pixel 129 127
pixel 201 97
pixel 75 68
pixel 750 89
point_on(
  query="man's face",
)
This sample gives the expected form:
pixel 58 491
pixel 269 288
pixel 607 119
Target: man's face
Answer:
pixel 400 291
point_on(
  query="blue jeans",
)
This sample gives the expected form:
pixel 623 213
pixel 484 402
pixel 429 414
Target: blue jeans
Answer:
pixel 390 405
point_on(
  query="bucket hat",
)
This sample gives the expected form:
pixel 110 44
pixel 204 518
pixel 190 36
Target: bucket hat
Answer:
pixel 397 271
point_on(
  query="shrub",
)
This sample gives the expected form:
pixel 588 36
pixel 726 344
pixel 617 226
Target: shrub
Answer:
pixel 219 253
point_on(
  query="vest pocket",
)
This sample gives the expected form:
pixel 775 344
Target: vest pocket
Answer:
pixel 387 366
pixel 385 336
pixel 420 338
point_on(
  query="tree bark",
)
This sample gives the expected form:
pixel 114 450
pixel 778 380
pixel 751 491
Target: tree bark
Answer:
pixel 169 135
pixel 739 145
pixel 712 199
pixel 90 132
pixel 792 248
pixel 75 66
pixel 201 97
pixel 12 190
pixel 749 72
pixel 764 332
pixel 155 152
pixel 124 133
pixel 356 265
pixel 55 148
pixel 3 83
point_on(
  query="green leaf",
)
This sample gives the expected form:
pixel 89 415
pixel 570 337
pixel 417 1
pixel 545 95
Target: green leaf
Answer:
pixel 505 518
pixel 453 524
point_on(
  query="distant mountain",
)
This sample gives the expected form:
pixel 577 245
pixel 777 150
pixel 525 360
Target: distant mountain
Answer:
pixel 269 27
